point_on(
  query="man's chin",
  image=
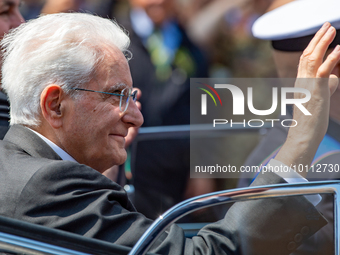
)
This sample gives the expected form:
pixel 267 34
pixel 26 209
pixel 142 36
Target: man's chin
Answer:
pixel 119 160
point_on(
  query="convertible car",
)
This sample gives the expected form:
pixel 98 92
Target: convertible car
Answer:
pixel 18 237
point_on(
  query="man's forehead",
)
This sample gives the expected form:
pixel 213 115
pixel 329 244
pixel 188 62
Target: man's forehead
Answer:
pixel 113 72
pixel 110 49
pixel 113 56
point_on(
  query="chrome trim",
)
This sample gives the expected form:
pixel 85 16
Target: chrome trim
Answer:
pixel 29 246
pixel 235 195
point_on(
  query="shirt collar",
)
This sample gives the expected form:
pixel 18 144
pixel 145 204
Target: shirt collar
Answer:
pixel 62 154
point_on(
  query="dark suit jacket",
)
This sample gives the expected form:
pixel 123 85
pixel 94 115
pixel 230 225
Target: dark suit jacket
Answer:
pixel 37 186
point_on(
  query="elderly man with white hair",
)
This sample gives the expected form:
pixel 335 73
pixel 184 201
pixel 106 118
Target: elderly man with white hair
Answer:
pixel 72 104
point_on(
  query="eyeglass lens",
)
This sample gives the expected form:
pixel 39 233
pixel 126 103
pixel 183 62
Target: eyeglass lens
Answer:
pixel 124 101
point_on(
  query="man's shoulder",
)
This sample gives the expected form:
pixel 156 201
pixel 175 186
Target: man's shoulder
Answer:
pixel 24 154
pixel 31 182
pixel 27 170
pixel 16 161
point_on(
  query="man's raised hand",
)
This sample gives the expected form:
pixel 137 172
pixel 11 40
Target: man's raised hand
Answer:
pixel 314 74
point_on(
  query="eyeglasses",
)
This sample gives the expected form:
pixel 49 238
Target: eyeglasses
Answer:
pixel 124 95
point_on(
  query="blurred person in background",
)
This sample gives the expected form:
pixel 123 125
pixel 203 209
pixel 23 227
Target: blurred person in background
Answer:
pixel 279 25
pixel 10 18
pixel 223 28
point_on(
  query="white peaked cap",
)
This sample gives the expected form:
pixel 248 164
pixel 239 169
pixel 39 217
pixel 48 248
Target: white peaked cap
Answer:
pixel 298 18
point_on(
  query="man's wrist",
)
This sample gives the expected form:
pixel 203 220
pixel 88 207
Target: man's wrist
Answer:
pixel 297 152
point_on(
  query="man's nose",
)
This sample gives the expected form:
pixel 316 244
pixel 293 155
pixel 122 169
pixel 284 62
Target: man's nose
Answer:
pixel 133 115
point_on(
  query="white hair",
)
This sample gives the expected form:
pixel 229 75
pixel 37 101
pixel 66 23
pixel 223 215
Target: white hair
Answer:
pixel 63 49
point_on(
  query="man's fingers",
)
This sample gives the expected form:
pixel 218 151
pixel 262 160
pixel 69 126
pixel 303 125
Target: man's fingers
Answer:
pixel 313 55
pixel 312 44
pixel 327 67
pixel 321 48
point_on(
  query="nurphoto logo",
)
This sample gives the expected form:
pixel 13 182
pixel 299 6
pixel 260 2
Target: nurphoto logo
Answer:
pixel 204 98
pixel 238 99
pixel 227 114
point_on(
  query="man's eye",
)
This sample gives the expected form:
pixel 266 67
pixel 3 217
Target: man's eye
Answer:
pixel 116 91
pixel 116 95
pixel 114 100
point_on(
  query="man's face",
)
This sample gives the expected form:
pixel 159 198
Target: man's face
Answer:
pixel 10 16
pixel 94 127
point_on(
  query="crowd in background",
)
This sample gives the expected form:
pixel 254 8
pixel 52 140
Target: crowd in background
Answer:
pixel 221 28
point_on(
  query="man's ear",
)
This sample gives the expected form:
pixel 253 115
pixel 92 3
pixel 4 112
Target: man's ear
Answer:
pixel 51 100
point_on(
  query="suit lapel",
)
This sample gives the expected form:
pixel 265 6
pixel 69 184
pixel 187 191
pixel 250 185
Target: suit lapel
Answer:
pixel 30 142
